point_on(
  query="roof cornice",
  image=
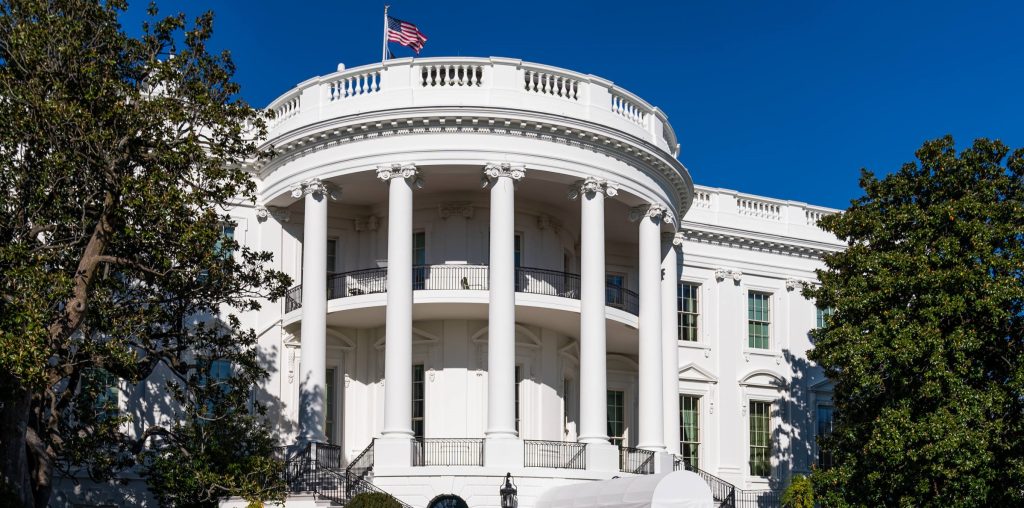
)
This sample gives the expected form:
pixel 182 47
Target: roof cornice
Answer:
pixel 761 242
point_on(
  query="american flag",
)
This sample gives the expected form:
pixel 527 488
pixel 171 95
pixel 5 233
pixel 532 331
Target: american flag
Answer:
pixel 406 34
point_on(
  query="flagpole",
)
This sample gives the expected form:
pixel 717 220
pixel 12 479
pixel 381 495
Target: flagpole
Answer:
pixel 384 45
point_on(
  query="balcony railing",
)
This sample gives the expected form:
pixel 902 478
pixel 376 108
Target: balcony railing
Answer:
pixel 447 452
pixel 635 460
pixel 536 281
pixel 555 454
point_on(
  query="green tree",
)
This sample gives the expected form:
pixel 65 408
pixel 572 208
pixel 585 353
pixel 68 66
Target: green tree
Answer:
pixel 799 493
pixel 925 346
pixel 119 157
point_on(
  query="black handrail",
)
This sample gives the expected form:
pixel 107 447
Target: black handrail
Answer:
pixel 723 492
pixel 636 460
pixel 362 465
pixel 538 281
pixel 555 454
pixel 447 452
pixel 758 499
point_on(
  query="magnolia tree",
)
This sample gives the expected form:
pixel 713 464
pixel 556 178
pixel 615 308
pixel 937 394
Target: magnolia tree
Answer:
pixel 926 345
pixel 119 157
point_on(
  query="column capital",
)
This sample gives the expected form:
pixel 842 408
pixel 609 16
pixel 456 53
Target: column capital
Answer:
pixel 403 170
pixel 493 170
pixel 279 214
pixel 675 239
pixel 316 187
pixel 592 185
pixel 654 211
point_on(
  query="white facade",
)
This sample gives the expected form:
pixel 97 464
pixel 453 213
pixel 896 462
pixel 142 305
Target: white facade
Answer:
pixel 498 244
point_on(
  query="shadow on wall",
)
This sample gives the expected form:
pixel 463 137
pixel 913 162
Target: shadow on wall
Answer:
pixel 797 422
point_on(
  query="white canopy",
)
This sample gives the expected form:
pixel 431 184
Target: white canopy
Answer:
pixel 680 489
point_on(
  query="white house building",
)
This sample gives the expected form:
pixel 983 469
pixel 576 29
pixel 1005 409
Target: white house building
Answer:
pixel 502 267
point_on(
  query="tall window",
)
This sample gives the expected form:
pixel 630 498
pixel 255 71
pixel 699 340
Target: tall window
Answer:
pixel 519 383
pixel 419 258
pixel 214 373
pixel 102 386
pixel 824 419
pixel 760 438
pixel 758 320
pixel 686 305
pixel 824 313
pixel 330 391
pixel 332 256
pixel 613 289
pixel 616 417
pixel 227 233
pixel 418 397
pixel 568 404
pixel 689 430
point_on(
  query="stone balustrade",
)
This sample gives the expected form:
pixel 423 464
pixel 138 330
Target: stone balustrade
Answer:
pixel 503 83
pixel 758 213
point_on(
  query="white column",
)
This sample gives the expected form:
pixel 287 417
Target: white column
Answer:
pixel 398 333
pixel 652 418
pixel 670 337
pixel 593 371
pixel 313 369
pixel 501 326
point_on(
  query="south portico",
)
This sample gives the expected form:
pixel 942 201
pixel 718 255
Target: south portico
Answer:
pixel 502 447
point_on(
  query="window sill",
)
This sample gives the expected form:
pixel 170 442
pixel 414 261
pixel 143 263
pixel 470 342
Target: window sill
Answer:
pixel 764 353
pixel 698 346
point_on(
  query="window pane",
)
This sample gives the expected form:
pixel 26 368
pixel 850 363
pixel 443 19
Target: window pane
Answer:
pixel 616 417
pixel 760 439
pixel 687 306
pixel 519 382
pixel 329 392
pixel 689 430
pixel 417 400
pixel 758 320
pixel 824 420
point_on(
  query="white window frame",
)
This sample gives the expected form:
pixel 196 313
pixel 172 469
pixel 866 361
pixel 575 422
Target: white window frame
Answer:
pixel 774 311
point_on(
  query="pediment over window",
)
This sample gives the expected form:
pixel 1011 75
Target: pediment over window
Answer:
pixel 621 363
pixel 763 379
pixel 694 372
pixel 823 385
pixel 524 337
pixel 339 339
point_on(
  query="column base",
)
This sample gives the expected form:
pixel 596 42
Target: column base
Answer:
pixel 392 452
pixel 503 453
pixel 603 457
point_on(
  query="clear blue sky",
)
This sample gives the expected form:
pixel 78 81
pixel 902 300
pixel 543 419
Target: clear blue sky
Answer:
pixel 787 99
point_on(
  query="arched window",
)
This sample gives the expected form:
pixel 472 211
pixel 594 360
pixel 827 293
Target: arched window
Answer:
pixel 447 501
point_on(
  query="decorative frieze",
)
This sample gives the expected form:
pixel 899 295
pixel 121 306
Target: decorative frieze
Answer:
pixel 462 209
pixel 592 185
pixel 368 223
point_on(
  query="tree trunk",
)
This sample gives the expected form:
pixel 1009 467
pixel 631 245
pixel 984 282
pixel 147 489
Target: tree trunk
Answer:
pixel 14 465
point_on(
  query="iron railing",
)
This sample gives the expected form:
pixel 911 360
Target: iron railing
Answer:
pixel 723 492
pixel 357 282
pixel 449 277
pixel 361 466
pixel 447 452
pixel 758 499
pixel 293 299
pixel 635 460
pixel 555 454
pixel 538 281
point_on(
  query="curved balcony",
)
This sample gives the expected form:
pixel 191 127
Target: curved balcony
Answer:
pixel 470 82
pixel 536 281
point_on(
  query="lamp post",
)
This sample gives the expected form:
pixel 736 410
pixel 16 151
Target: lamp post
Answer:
pixel 509 493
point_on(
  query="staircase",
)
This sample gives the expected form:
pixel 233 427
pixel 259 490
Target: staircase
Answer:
pixel 316 469
pixel 726 495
